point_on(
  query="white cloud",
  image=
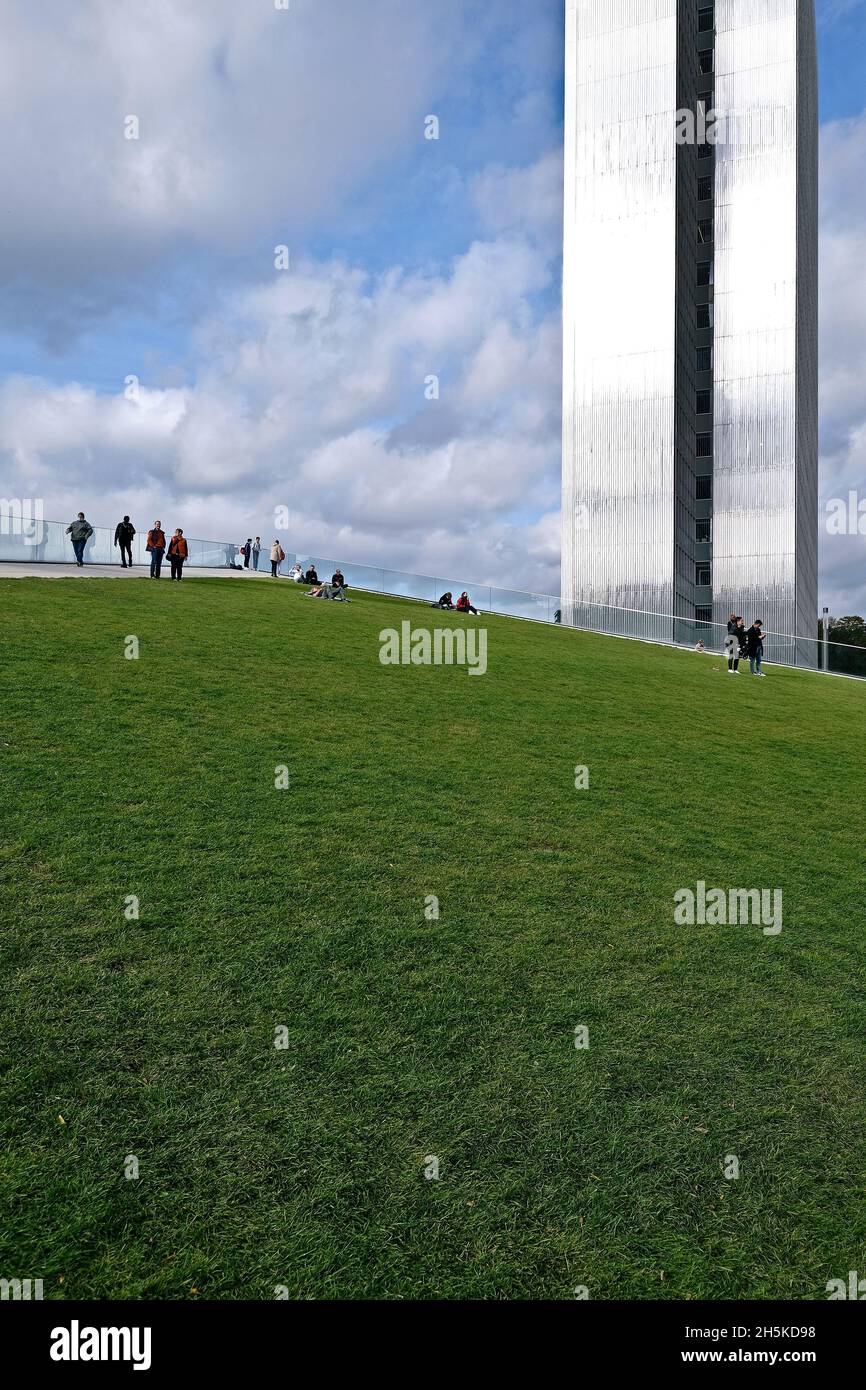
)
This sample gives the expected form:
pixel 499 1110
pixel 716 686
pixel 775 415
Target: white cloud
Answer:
pixel 311 394
pixel 843 355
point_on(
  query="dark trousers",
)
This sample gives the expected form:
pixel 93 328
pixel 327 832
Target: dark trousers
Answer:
pixel 78 547
pixel 156 563
pixel 177 566
pixel 125 553
pixel 275 564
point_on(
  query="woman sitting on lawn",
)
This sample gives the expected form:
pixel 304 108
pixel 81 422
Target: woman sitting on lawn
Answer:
pixel 464 606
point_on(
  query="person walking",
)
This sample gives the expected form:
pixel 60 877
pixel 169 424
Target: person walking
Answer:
pixel 246 551
pixel 278 555
pixel 755 639
pixel 257 550
pixel 156 546
pixel 178 551
pixel 123 534
pixel 80 530
pixel 732 646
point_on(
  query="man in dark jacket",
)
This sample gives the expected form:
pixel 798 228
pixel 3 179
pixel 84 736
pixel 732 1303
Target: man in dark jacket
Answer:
pixel 755 641
pixel 80 530
pixel 246 551
pixel 123 534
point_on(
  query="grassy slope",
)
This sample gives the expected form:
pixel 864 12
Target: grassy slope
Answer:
pixel 408 1038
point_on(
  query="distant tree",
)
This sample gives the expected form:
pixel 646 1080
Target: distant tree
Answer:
pixel 851 631
pixel 848 633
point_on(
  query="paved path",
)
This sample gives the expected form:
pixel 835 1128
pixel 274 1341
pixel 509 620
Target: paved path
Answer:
pixel 12 569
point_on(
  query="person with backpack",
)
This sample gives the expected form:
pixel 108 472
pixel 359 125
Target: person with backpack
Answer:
pixel 257 550
pixel 732 646
pixel 156 546
pixel 80 530
pixel 278 555
pixel 246 551
pixel 123 534
pixel 178 550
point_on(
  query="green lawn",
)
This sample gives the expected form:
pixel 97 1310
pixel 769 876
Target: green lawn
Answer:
pixel 304 1166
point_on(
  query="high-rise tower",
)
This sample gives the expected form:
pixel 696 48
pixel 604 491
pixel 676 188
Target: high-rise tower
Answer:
pixel 690 315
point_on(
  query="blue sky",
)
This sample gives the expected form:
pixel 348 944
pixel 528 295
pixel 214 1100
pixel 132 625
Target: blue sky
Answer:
pixel 261 389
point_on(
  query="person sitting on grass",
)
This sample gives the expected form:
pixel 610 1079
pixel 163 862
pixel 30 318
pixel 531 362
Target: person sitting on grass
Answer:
pixel 464 605
pixel 311 577
pixel 338 580
pixel 446 601
pixel 296 574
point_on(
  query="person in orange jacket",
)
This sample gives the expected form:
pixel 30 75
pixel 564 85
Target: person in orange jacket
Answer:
pixel 156 546
pixel 178 550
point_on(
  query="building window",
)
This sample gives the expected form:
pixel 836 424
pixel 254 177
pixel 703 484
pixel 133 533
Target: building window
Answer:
pixel 704 446
pixel 705 20
pixel 704 361
pixel 705 315
pixel 705 189
pixel 703 613
pixel 703 576
pixel 703 402
pixel 707 60
pixel 704 530
pixel 705 273
pixel 704 487
pixel 705 232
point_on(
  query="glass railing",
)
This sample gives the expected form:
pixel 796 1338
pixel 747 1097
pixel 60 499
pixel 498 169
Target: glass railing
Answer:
pixel 47 542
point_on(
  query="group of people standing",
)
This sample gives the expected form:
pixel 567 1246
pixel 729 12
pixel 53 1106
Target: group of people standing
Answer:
pixel 157 548
pixel 742 642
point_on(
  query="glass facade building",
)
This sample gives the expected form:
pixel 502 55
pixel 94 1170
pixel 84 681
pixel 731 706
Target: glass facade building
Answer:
pixel 690 455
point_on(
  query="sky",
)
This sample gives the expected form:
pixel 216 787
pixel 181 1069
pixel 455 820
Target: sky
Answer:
pixel 257 388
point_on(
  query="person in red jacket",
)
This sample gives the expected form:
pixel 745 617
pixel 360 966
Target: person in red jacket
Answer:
pixel 464 606
pixel 178 550
pixel 156 546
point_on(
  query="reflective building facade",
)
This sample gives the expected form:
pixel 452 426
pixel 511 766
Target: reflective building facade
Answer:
pixel 690 314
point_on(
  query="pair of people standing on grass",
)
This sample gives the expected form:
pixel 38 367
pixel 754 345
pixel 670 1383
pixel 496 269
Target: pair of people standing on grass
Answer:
pixel 742 642
pixel 178 551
